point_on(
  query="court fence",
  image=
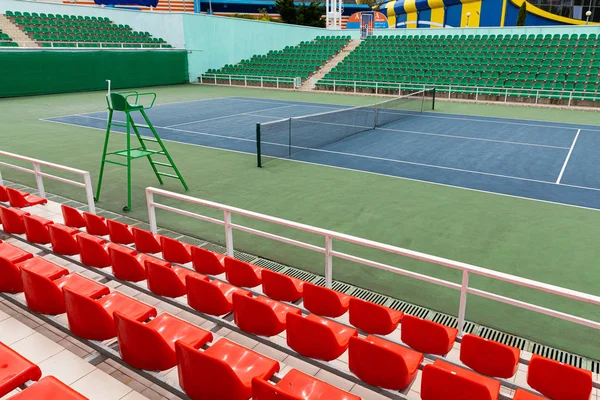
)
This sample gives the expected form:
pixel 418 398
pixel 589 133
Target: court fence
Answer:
pixel 329 254
pixel 279 82
pixel 39 175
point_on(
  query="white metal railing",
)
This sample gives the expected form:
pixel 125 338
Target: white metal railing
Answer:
pixel 248 80
pixel 88 45
pixel 39 175
pixel 330 253
pixel 500 93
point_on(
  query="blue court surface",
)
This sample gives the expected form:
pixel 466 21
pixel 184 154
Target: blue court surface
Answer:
pixel 538 160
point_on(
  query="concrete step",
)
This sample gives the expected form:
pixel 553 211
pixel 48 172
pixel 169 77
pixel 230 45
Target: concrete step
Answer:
pixel 309 84
pixel 16 33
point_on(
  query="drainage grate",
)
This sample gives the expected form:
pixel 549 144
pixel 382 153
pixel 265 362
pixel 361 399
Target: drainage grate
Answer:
pixel 299 274
pixel 243 256
pixel 273 266
pixel 215 248
pixel 168 233
pixel 452 322
pixel 410 309
pixel 337 286
pixel 595 367
pixel 369 296
pixel 557 355
pixel 503 338
pixel 191 240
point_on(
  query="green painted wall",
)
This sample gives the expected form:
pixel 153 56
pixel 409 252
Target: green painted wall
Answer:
pixel 32 72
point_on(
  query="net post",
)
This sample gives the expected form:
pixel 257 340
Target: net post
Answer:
pixel 258 156
pixel 433 99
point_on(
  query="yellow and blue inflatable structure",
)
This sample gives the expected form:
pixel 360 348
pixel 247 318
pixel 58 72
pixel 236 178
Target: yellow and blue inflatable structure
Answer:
pixel 465 13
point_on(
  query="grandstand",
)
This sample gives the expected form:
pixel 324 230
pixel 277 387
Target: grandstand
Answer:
pixel 50 30
pixel 405 237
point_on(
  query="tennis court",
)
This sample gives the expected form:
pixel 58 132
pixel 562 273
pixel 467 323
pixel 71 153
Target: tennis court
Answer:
pixel 546 161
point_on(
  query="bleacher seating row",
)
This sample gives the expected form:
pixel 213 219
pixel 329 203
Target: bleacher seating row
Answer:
pixel 16 371
pixel 525 63
pixel 6 40
pixel 293 61
pixel 56 30
pixel 91 307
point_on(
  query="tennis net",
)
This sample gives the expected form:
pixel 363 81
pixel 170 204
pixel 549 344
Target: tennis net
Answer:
pixel 286 137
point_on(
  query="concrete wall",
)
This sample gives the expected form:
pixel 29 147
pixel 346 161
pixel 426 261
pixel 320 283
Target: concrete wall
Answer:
pixel 215 41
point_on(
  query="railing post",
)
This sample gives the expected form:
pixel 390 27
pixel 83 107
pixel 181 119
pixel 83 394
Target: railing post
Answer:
pixel 261 82
pixel 277 81
pixel 39 180
pixel 334 85
pixel 1 181
pixel 228 233
pixel 449 91
pixel 476 93
pixel 245 80
pixel 151 211
pixel 376 87
pixel 570 98
pixel 229 80
pixel 537 96
pixel 354 87
pixel 463 302
pixel 328 262
pixel 506 95
pixel 89 193
pixel 215 75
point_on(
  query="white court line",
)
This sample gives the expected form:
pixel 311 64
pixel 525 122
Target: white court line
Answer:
pixel 562 170
pixel 365 172
pixel 428 133
pixel 224 116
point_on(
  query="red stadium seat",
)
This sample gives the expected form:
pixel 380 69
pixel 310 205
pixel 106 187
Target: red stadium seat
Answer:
pixel 12 220
pixel 243 274
pixel 20 199
pixel 63 239
pixel 94 250
pixel 214 298
pixel 48 388
pixel 93 319
pixel 13 253
pixel 95 224
pixel 373 318
pixel 119 232
pixel 175 251
pixel 72 217
pixel 557 380
pixel 521 394
pixel 281 287
pixel 381 363
pixel 488 357
pixel 36 229
pixel 224 371
pixel 128 265
pixel 10 271
pixel 146 242
pixel 43 282
pixel 296 385
pixel 427 336
pixel 207 262
pixel 166 280
pixel 325 302
pixel 151 346
pixel 441 380
pixel 317 337
pixel 15 370
pixel 261 315
pixel 3 194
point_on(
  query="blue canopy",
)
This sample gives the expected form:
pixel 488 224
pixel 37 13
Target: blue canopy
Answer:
pixel 145 3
